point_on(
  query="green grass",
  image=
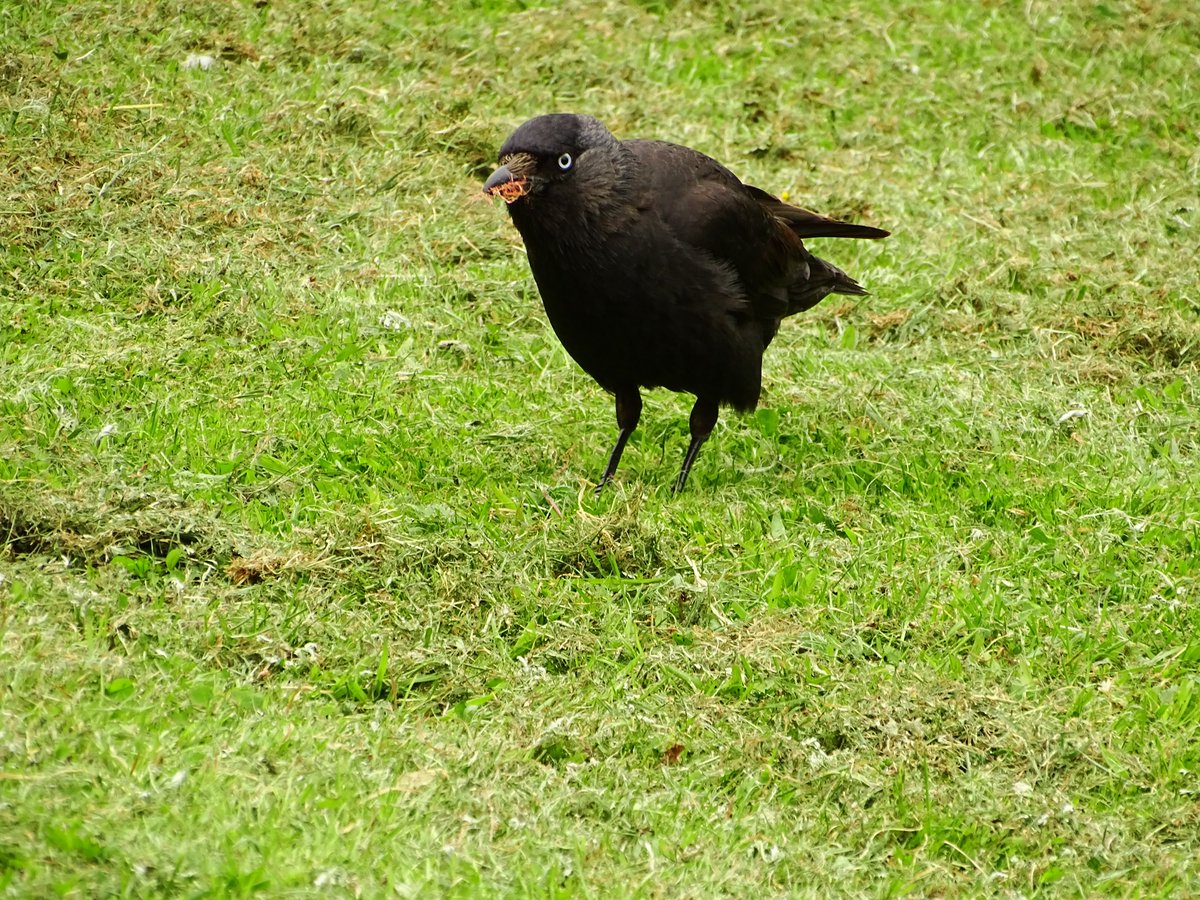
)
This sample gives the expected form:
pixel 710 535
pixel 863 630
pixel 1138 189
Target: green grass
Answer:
pixel 303 588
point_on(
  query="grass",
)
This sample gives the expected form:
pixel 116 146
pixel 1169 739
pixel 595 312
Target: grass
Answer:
pixel 303 588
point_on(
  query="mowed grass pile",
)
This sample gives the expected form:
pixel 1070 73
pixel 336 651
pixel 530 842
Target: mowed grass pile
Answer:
pixel 303 588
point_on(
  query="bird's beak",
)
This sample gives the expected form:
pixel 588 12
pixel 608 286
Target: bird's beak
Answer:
pixel 504 184
pixel 501 176
pixel 511 181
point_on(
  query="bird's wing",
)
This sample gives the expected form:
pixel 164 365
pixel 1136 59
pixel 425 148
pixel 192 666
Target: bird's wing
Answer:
pixel 707 207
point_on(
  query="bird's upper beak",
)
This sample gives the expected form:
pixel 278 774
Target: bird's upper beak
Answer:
pixel 512 180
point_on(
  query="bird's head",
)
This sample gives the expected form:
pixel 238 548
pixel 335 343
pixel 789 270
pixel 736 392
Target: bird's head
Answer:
pixel 546 155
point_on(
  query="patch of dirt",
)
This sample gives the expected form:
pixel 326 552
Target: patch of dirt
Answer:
pixel 264 565
pixel 888 322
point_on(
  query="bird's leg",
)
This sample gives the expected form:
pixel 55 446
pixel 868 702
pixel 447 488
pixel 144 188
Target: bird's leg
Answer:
pixel 702 422
pixel 629 410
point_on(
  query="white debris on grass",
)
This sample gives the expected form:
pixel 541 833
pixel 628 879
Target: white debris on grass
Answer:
pixel 1077 413
pixel 201 61
pixel 394 321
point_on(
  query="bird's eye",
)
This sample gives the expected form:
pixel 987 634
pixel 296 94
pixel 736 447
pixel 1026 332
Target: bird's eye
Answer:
pixel 565 161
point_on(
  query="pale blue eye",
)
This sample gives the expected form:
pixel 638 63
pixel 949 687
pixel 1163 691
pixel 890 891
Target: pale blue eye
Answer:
pixel 564 161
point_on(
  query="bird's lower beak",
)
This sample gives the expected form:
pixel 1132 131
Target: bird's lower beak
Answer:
pixel 510 186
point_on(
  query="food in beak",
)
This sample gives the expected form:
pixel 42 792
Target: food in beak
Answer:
pixel 510 191
pixel 506 184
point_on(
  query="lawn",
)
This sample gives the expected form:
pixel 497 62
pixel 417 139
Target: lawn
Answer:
pixel 303 587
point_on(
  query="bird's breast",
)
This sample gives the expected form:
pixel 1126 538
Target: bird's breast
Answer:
pixel 638 308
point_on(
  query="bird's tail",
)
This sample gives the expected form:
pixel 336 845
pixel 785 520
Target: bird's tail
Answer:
pixel 805 223
pixel 823 279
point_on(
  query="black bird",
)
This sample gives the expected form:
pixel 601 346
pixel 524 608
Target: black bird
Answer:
pixel 658 267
